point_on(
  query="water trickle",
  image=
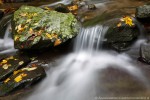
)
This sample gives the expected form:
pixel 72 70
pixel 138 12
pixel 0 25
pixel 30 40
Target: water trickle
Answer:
pixel 7 44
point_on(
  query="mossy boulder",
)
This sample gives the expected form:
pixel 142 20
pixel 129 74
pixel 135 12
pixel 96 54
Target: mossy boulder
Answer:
pixel 36 28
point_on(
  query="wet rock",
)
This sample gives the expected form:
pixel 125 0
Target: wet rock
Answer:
pixel 121 34
pixel 35 28
pixel 22 78
pixel 143 13
pixel 12 63
pixel 91 7
pixel 145 53
pixel 62 8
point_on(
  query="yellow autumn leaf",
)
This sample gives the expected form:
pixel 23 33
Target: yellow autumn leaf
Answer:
pixel 20 77
pixel 16 72
pixel 7 80
pixel 49 36
pixel 4 62
pixel 57 42
pixel 128 20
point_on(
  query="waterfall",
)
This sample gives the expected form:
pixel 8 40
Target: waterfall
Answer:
pixel 77 75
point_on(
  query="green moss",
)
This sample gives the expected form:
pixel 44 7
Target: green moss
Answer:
pixel 32 22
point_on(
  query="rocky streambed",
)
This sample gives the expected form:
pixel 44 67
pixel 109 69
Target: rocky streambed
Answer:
pixel 40 43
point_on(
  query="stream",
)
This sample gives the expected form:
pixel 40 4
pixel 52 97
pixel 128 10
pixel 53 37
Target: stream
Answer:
pixel 90 72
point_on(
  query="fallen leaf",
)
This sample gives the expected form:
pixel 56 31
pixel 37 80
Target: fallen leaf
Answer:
pixel 49 36
pixel 16 72
pixel 118 25
pixel 4 62
pixel 29 69
pixel 20 77
pixel 7 80
pixel 21 62
pixel 128 20
pixel 57 42
pixel 5 66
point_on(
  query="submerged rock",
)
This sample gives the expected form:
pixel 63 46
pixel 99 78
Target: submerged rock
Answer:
pixel 143 13
pixel 12 63
pixel 121 34
pixel 22 78
pixel 145 53
pixel 35 28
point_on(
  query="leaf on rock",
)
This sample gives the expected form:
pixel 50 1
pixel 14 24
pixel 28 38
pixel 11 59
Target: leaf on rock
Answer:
pixel 128 20
pixel 20 77
pixel 21 62
pixel 7 80
pixel 29 69
pixel 57 42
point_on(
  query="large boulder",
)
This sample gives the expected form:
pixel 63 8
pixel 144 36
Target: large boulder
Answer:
pixel 12 63
pixel 36 28
pixel 22 78
pixel 122 33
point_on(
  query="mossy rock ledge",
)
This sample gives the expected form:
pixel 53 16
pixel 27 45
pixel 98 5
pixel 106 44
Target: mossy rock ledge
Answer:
pixel 36 28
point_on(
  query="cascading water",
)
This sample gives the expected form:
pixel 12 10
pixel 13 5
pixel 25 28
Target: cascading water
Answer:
pixel 76 76
pixel 7 44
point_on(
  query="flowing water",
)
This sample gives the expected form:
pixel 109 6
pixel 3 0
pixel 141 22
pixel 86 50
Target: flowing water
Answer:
pixel 7 44
pixel 77 75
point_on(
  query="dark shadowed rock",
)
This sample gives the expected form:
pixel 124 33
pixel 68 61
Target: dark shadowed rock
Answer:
pixel 62 8
pixel 22 78
pixel 145 53
pixel 143 13
pixel 121 34
pixel 35 28
pixel 12 63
